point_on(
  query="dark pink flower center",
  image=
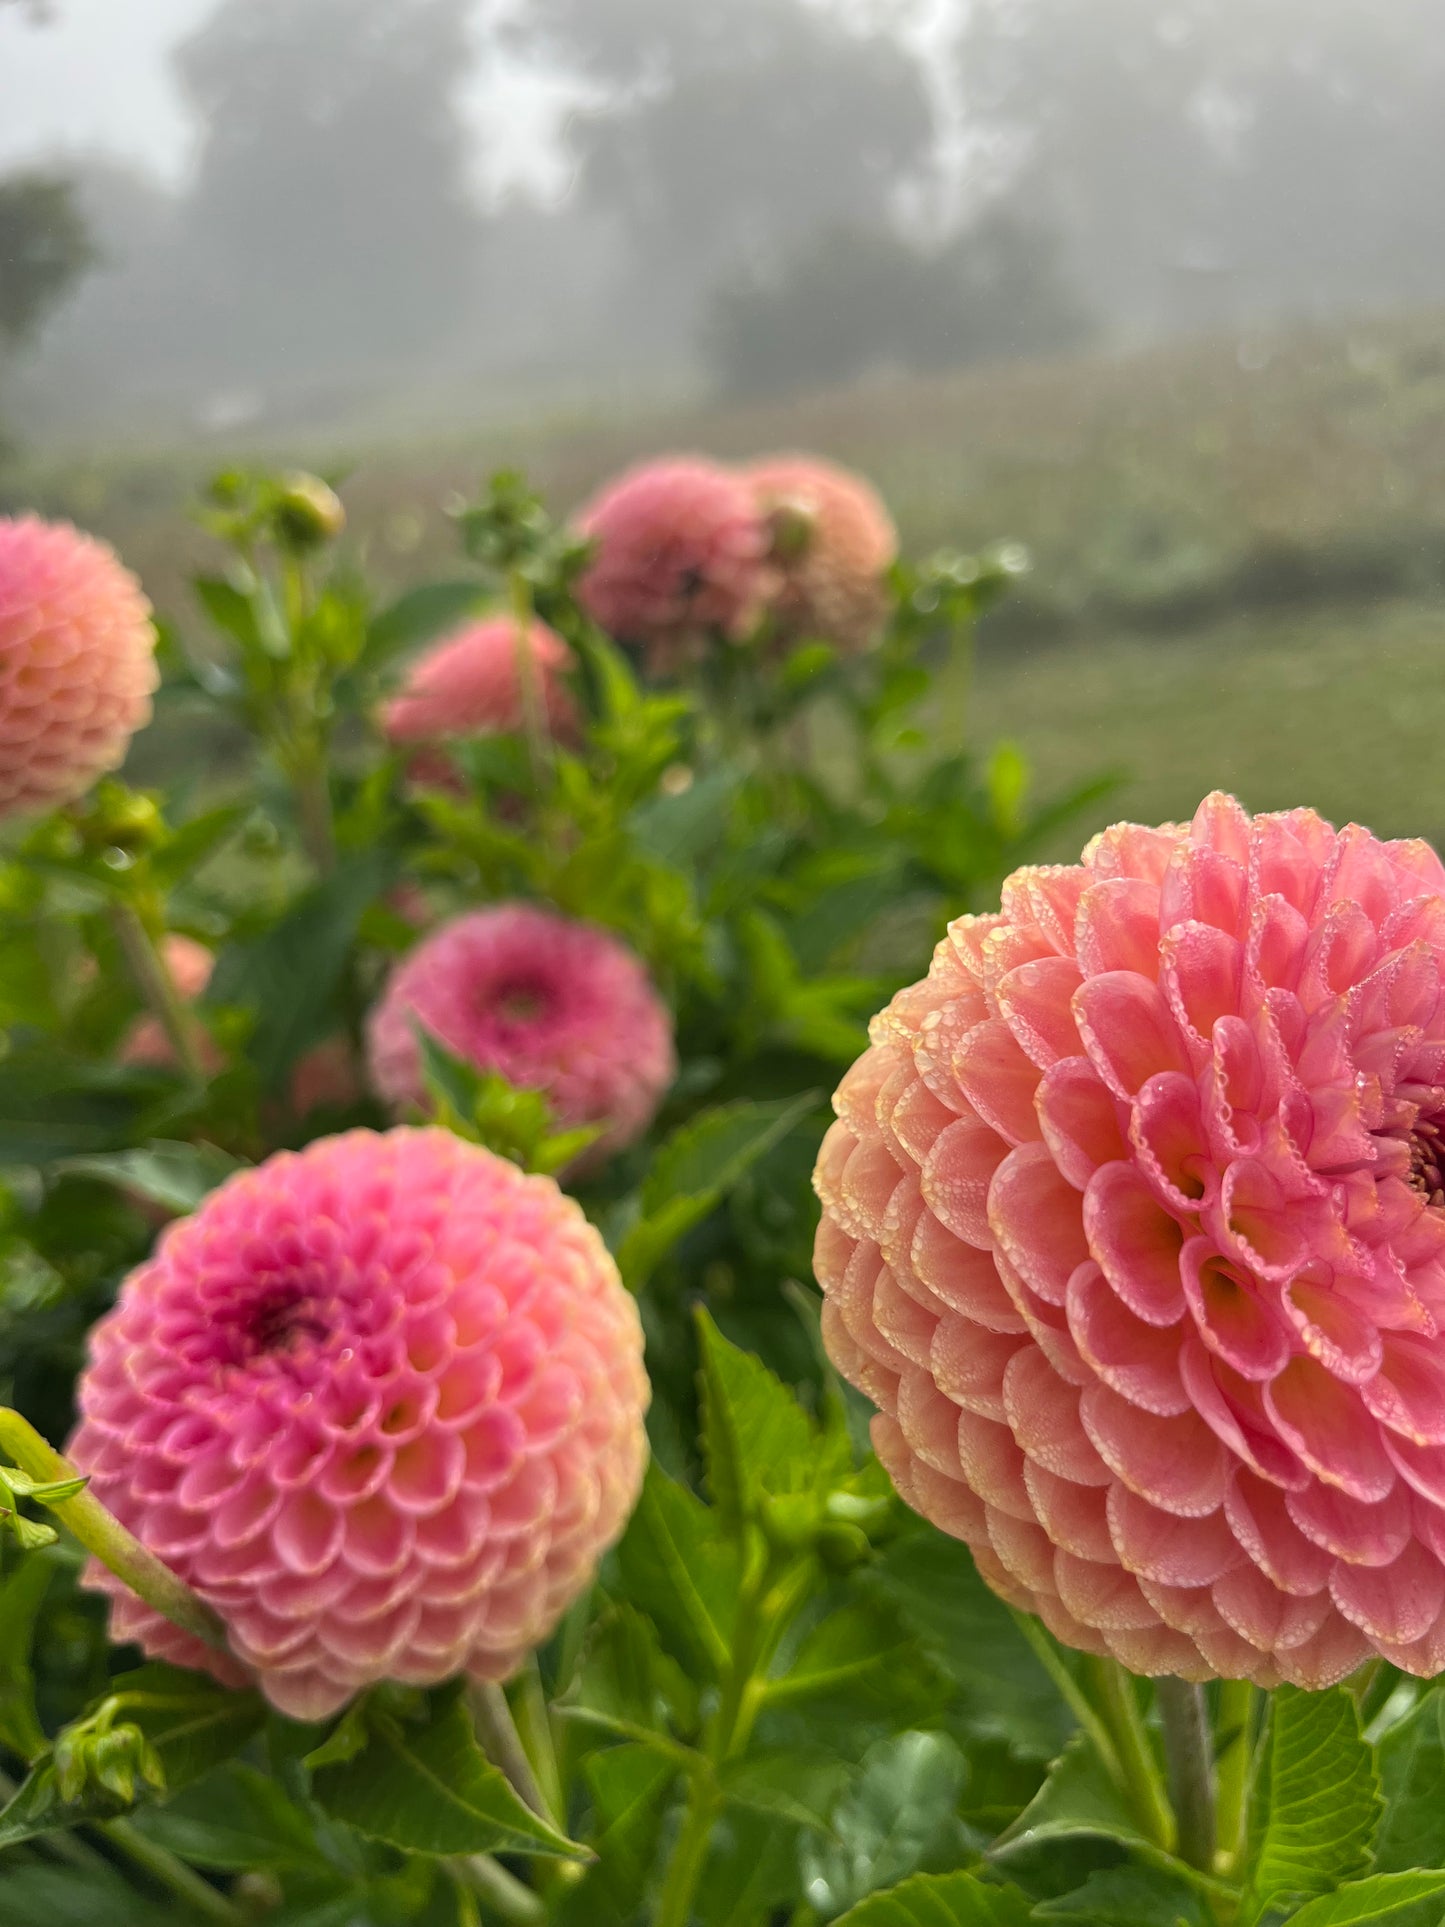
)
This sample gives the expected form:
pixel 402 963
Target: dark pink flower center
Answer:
pixel 521 1000
pixel 1427 1159
pixel 281 1320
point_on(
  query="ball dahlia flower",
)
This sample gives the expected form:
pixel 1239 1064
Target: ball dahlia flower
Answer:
pixel 681 557
pixel 77 662
pixel 380 1403
pixel 833 541
pixel 471 684
pixel 1134 1231
pixel 552 1004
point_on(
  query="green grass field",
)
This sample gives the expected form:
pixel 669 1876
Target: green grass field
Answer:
pixel 1238 551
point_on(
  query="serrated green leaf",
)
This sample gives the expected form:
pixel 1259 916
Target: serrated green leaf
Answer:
pixel 941 1900
pixel 860 1651
pixel 1391 1899
pixel 677 1567
pixel 1411 1759
pixel 233 1820
pixel 696 1168
pixel 1077 1797
pixel 627 1682
pixel 789 1783
pixel 899 1817
pixel 756 1437
pixel 176 1176
pixel 629 1787
pixel 287 976
pixel 420 615
pixel 429 1788
pixel 1317 1801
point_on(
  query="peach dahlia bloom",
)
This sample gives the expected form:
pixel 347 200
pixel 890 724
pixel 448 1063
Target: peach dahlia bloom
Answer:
pixel 833 544
pixel 380 1403
pixel 547 1002
pixel 1134 1231
pixel 681 558
pixel 470 684
pixel 77 662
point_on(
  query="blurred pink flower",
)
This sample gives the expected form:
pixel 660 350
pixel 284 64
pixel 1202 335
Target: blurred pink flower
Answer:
pixel 471 684
pixel 380 1403
pixel 77 662
pixel 681 557
pixel 1134 1231
pixel 552 1004
pixel 833 544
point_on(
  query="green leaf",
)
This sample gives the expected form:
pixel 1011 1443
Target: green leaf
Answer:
pixel 860 1652
pixel 696 1168
pixel 756 1436
pixel 53 1105
pixel 21 1597
pixel 176 1176
pixel 287 976
pixel 45 1896
pixel 1128 1897
pixel 629 1787
pixel 229 608
pixel 429 1788
pixel 676 1566
pixel 751 1873
pixel 420 615
pixel 627 1683
pixel 941 1900
pixel 233 1820
pixel 1077 1797
pixel 1317 1801
pixel 791 1783
pixel 1399 1899
pixel 678 829
pixel 967 1632
pixel 191 1722
pixel 899 1816
pixel 1412 1769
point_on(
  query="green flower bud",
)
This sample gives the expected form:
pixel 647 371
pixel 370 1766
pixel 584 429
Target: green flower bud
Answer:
pixel 306 512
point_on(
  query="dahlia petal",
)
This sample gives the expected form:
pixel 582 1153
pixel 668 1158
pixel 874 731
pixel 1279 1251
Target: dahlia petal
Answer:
pixel 1260 1520
pixel 1326 1423
pixel 1127 1030
pixel 1079 1119
pixel 1167 1131
pixel 1116 927
pixel 1269 1619
pixel 1176 1463
pixel 1162 1546
pixel 1408 1392
pixel 1232 1317
pixel 1202 977
pixel 1398 1602
pixel 1033 1000
pixel 1362 1534
pixel 1140 1361
pixel 1135 1243
pixel 1034 1214
pixel 998 1080
pixel 1042 1413
pixel 956 1177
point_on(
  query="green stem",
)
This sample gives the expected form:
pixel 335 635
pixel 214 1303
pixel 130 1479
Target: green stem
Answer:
pixel 153 980
pixel 502 1891
pixel 61 1841
pixel 502 1744
pixel 174 1875
pixel 684 1871
pixel 1072 1694
pixel 1234 1725
pixel 535 1729
pixel 313 807
pixel 956 688
pixel 1114 1691
pixel 529 681
pixel 1189 1757
pixel 101 1533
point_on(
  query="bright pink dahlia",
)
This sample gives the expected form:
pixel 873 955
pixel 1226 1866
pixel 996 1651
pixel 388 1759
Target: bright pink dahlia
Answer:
pixel 77 662
pixel 681 557
pixel 552 1004
pixel 471 684
pixel 1134 1230
pixel 380 1402
pixel 833 544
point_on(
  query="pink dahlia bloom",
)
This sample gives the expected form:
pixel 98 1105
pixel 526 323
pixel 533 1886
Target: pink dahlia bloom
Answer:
pixel 77 662
pixel 1134 1231
pixel 833 543
pixel 471 685
pixel 552 1004
pixel 681 557
pixel 380 1403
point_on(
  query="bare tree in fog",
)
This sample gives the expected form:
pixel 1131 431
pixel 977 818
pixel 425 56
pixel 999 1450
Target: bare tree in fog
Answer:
pixel 329 222
pixel 1221 159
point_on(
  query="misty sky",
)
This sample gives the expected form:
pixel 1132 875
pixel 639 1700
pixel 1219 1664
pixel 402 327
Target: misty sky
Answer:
pixel 96 77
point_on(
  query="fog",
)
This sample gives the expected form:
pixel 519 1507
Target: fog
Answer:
pixel 223 213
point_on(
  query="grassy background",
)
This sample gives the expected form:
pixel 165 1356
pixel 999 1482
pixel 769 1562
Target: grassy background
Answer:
pixel 1238 548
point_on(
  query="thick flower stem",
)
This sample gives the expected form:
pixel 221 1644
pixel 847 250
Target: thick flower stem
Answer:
pixel 504 1894
pixel 529 682
pixel 313 809
pixel 198 1895
pixel 152 979
pixel 103 1534
pixel 500 1741
pixel 1114 1694
pixel 1189 1757
pixel 1234 1725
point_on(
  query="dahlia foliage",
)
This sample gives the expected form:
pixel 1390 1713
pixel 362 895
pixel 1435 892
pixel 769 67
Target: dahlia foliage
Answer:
pixel 462 1020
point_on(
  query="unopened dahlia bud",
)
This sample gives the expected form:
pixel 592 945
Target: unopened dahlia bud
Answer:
pixel 380 1404
pixel 833 542
pixel 77 662
pixel 307 512
pixel 681 558
pixel 1134 1231
pixel 473 684
pixel 549 1003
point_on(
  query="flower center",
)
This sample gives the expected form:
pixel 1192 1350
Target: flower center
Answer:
pixel 280 1320
pixel 520 1001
